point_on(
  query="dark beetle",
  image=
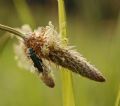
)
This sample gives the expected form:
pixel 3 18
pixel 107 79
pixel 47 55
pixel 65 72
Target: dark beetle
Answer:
pixel 37 61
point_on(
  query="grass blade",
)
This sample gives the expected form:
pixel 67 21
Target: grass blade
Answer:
pixel 67 86
pixel 117 103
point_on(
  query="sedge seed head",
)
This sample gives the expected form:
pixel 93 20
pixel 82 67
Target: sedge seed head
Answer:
pixel 48 45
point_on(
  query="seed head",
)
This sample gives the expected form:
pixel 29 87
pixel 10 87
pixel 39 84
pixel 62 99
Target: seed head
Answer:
pixel 48 45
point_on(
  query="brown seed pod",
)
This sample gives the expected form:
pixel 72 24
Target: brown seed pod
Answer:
pixel 47 77
pixel 47 45
pixel 75 63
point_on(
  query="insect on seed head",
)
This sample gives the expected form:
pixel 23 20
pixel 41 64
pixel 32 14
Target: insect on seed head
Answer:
pixel 47 45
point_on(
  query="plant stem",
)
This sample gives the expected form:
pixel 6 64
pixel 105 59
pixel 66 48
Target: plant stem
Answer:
pixel 118 98
pixel 11 30
pixel 67 86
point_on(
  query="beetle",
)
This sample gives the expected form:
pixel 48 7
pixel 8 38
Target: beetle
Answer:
pixel 37 61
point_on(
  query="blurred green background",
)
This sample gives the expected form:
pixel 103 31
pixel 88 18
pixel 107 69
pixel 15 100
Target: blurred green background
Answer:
pixel 93 27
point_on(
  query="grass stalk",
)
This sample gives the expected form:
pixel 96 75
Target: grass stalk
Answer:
pixel 117 103
pixel 11 30
pixel 67 86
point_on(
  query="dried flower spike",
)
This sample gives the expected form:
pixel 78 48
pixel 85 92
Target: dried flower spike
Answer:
pixel 47 44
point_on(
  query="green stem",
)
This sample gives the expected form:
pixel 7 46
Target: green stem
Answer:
pixel 118 98
pixel 11 30
pixel 67 86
